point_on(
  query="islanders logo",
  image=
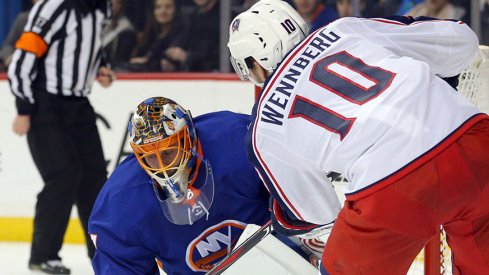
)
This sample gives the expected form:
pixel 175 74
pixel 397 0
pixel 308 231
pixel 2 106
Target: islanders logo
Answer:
pixel 210 247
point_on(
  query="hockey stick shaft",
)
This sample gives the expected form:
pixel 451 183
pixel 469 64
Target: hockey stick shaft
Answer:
pixel 242 249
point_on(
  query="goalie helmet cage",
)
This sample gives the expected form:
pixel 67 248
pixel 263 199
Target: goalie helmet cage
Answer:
pixel 435 259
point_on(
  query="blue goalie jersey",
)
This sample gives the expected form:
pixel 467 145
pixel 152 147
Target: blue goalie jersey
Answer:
pixel 130 231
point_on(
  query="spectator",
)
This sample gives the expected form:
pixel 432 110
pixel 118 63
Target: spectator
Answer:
pixel 164 29
pixel 200 53
pixel 8 46
pixel 442 9
pixel 119 37
pixel 51 75
pixel 315 13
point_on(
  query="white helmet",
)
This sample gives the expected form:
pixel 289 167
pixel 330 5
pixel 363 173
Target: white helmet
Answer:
pixel 266 32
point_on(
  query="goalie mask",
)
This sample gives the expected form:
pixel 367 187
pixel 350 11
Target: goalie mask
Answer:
pixel 266 32
pixel 164 141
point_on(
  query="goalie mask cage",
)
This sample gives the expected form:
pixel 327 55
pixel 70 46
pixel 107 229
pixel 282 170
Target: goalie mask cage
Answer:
pixel 435 258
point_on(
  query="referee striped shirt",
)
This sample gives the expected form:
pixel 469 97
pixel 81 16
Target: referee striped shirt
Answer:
pixel 59 51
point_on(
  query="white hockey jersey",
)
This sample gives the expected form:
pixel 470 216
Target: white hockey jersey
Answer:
pixel 364 98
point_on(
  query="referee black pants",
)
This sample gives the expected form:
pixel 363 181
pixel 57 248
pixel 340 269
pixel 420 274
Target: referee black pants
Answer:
pixel 66 148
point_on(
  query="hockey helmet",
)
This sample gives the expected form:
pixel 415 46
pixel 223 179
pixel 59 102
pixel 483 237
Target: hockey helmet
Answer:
pixel 164 141
pixel 266 32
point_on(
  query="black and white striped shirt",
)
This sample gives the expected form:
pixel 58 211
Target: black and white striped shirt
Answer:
pixel 59 52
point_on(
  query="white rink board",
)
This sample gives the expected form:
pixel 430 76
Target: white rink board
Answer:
pixel 19 180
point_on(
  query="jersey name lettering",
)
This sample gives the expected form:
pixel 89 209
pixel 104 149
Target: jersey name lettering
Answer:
pixel 273 110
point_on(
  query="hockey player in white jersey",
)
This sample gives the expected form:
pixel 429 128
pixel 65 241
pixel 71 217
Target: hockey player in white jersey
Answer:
pixel 366 98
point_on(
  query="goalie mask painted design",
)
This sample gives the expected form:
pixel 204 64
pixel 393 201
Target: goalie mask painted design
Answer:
pixel 266 32
pixel 164 141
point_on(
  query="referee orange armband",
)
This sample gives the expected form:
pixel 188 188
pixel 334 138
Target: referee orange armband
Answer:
pixel 32 42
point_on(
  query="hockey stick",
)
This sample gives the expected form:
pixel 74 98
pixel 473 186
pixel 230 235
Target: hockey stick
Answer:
pixel 242 249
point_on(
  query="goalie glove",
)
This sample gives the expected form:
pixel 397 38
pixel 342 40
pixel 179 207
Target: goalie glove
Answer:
pixel 287 226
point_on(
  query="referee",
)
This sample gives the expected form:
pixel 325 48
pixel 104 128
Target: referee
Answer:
pixel 56 60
